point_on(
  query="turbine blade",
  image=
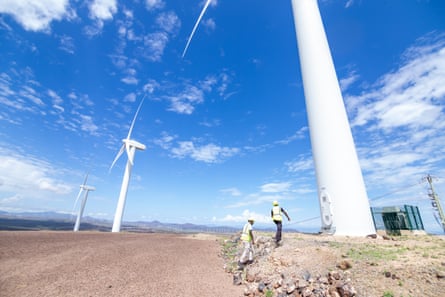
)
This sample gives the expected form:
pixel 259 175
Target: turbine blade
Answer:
pixel 127 148
pixel 86 178
pixel 196 26
pixel 119 154
pixel 134 119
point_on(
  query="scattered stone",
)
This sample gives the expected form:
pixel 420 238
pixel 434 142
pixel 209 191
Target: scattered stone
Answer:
pixel 440 274
pixel 344 265
pixel 280 281
pixel 306 275
pixel 261 287
pixel 237 279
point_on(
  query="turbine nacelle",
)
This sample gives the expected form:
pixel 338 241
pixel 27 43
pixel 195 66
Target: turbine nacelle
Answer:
pixel 133 143
pixel 87 188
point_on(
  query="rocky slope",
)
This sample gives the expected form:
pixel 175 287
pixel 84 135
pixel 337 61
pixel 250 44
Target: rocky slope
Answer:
pixel 321 265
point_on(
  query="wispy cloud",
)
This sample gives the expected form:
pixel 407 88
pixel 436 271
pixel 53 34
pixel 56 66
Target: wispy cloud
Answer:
pixel 346 82
pixel 208 153
pixel 168 22
pixel 154 4
pixel 67 44
pixel 276 187
pixel 401 119
pixel 27 176
pixel 231 191
pixel 185 101
pixel 246 214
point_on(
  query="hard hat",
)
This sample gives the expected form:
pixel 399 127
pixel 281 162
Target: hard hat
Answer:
pixel 251 219
pixel 275 203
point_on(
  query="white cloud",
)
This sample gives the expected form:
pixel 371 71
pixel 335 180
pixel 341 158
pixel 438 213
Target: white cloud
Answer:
pixel 302 164
pixel 246 214
pixel 209 153
pixel 276 187
pixel 37 15
pixel 154 46
pixel 103 9
pixel 209 24
pixel 185 102
pixel 231 191
pixel 398 122
pixel 67 44
pixel 346 82
pixel 168 21
pixel 408 97
pixel 130 80
pixel 154 4
pixel 165 141
pixel 87 124
pixel 151 86
pixel 28 177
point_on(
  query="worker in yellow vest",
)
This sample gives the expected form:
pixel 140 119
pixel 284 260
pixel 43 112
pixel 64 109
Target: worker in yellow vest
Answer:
pixel 248 242
pixel 276 214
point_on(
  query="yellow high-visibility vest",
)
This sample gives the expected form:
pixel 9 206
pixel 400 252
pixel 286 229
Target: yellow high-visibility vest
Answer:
pixel 245 236
pixel 276 213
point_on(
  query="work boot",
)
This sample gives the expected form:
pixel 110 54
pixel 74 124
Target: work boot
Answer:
pixel 241 265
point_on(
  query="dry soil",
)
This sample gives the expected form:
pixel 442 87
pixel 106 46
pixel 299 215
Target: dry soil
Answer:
pixel 111 264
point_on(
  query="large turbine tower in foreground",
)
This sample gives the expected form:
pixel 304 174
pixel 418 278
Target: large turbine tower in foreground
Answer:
pixel 344 204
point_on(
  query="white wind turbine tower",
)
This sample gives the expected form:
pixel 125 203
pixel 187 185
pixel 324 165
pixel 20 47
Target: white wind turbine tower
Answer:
pixel 130 147
pixel 344 204
pixel 86 189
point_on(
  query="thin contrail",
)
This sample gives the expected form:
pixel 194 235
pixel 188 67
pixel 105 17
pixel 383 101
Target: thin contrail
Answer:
pixel 196 26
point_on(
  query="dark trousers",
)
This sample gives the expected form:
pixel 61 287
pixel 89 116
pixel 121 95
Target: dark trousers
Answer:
pixel 279 227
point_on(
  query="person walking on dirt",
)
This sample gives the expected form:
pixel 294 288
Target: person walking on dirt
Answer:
pixel 276 214
pixel 248 242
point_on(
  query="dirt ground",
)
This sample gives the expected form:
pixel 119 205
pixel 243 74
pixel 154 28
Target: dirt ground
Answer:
pixel 400 266
pixel 108 264
pixel 43 263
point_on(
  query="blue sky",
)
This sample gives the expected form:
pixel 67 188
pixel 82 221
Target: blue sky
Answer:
pixel 225 126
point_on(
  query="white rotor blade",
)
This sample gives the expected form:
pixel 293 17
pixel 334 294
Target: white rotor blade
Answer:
pixel 85 180
pixel 134 119
pixel 127 148
pixel 196 26
pixel 119 154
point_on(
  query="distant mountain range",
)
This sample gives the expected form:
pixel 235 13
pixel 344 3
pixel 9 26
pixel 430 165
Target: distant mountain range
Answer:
pixel 63 221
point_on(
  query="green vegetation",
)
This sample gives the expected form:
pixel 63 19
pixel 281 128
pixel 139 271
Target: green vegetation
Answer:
pixel 229 252
pixel 269 293
pixel 374 253
pixel 388 294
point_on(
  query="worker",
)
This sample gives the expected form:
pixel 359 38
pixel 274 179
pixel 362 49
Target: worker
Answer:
pixel 276 214
pixel 248 242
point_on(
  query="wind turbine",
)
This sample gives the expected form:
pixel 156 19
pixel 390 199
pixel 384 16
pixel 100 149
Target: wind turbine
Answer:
pixel 129 145
pixel 344 204
pixel 86 189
